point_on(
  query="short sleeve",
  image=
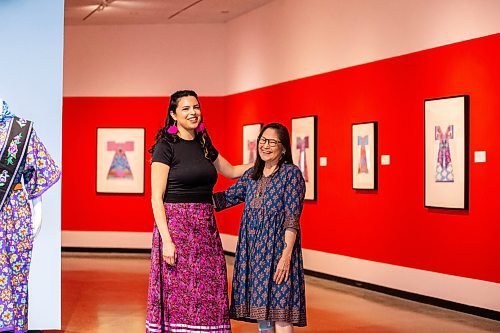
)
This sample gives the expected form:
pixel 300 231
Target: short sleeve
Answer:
pixel 213 153
pixel 163 153
pixel 294 197
pixel 40 171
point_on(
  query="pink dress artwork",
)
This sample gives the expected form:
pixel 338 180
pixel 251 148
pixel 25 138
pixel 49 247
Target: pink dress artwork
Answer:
pixel 363 162
pixel 120 168
pixel 444 167
pixel 302 145
pixel 252 147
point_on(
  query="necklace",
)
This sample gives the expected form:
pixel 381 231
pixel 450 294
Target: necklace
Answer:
pixel 272 170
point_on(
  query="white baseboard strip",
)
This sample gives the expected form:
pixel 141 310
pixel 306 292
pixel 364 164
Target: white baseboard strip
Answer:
pixel 467 291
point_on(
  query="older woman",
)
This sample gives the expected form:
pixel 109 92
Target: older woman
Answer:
pixel 268 281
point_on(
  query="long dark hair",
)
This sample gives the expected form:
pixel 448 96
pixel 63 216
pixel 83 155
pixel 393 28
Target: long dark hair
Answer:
pixel 164 136
pixel 284 137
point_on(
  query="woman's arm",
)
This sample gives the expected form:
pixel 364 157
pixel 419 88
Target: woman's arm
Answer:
pixel 159 176
pixel 228 170
pixel 234 195
pixel 283 269
pixel 294 200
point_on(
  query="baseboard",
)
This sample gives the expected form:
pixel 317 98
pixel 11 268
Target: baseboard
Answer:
pixel 477 311
pixel 462 294
pixel 103 250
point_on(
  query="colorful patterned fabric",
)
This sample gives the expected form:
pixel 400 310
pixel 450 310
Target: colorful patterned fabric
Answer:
pixel 272 204
pixel 4 111
pixel 13 154
pixel 363 161
pixel 444 167
pixel 192 295
pixel 38 173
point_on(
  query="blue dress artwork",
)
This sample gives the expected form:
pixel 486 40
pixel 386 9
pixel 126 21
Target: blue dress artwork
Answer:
pixel 272 204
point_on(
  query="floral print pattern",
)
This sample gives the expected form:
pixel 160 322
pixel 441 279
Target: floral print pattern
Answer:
pixel 13 149
pixel 192 295
pixel 38 172
pixel 272 204
pixel 3 178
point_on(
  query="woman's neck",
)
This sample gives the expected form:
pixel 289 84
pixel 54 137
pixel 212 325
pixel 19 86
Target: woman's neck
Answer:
pixel 270 167
pixel 186 134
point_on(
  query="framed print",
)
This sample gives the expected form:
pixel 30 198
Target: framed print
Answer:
pixel 364 156
pixel 304 151
pixel 446 152
pixel 250 135
pixel 120 160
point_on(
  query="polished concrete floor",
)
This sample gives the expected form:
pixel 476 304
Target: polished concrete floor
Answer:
pixel 106 293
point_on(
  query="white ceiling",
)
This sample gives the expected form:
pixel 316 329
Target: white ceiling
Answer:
pixel 157 11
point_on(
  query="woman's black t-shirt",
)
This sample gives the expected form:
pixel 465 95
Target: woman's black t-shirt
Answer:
pixel 192 177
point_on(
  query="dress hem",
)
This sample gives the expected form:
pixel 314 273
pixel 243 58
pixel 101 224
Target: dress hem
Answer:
pixel 252 314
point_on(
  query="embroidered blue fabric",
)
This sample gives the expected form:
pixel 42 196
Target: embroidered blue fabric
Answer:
pixel 5 112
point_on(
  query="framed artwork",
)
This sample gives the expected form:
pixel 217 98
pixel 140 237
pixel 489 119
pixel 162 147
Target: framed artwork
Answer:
pixel 120 160
pixel 446 152
pixel 364 156
pixel 304 151
pixel 250 135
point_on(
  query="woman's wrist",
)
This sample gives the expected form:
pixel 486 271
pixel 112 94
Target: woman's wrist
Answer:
pixel 166 239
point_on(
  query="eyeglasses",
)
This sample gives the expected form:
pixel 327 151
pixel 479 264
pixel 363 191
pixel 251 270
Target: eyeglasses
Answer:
pixel 272 142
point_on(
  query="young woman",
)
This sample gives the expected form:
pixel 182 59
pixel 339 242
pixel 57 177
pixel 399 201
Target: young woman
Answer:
pixel 188 281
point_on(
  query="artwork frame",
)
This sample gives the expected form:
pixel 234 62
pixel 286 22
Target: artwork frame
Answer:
pixel 250 134
pixel 364 150
pixel 120 160
pixel 446 153
pixel 304 151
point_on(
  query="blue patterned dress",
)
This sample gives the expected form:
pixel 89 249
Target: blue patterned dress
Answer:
pixel 272 204
pixel 38 172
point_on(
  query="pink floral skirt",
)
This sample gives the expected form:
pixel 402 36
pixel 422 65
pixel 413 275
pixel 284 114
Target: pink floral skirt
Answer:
pixel 192 295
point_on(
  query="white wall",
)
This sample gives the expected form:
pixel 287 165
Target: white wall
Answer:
pixel 278 42
pixel 144 60
pixel 290 39
pixel 31 50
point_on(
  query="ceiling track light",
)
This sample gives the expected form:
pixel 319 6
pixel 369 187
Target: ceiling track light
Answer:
pixel 184 9
pixel 100 7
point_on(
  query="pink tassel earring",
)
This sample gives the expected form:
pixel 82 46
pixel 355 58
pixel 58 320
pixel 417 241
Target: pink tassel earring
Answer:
pixel 172 129
pixel 200 128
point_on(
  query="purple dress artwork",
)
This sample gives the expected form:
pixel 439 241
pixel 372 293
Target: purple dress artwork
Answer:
pixel 252 149
pixel 302 145
pixel 363 161
pixel 120 168
pixel 37 173
pixel 444 167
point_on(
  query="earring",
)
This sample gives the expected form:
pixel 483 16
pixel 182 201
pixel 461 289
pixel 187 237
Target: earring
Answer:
pixel 200 128
pixel 173 128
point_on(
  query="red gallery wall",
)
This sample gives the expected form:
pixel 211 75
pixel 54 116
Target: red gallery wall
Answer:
pixel 389 225
pixel 82 208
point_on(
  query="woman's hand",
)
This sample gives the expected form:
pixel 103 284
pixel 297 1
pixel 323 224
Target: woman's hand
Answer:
pixel 169 253
pixel 283 269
